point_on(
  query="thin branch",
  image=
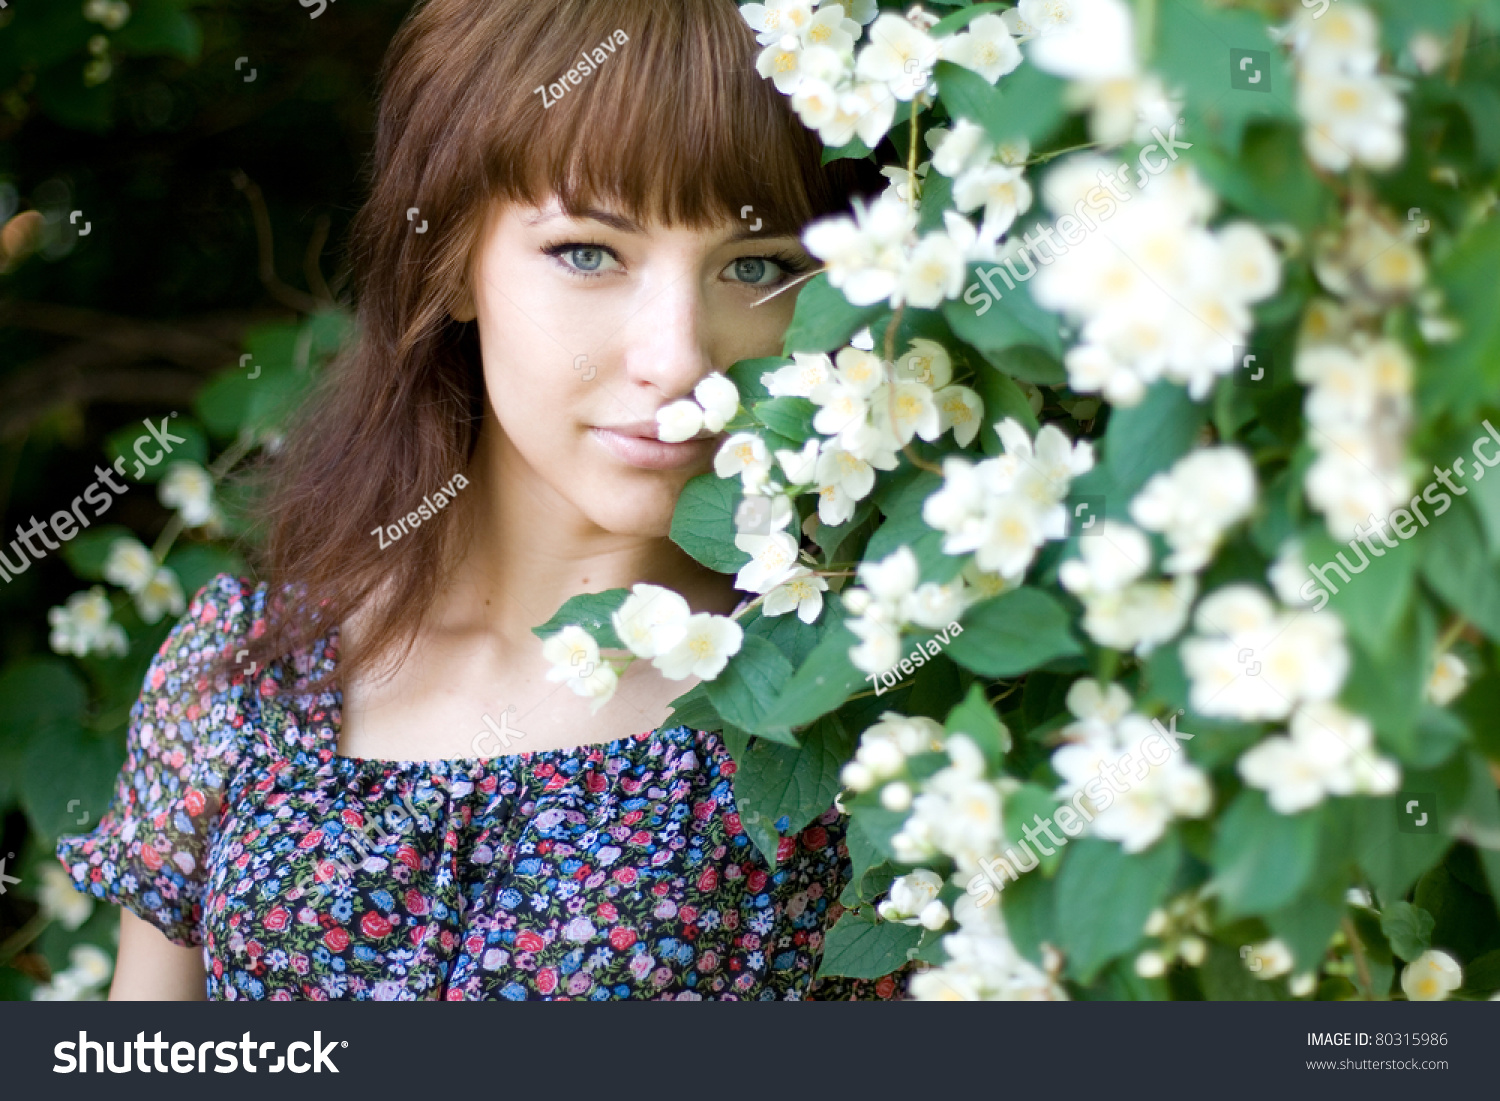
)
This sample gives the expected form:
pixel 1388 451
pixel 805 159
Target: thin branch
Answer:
pixel 300 301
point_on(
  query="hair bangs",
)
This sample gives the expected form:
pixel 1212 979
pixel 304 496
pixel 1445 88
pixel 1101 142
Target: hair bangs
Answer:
pixel 672 123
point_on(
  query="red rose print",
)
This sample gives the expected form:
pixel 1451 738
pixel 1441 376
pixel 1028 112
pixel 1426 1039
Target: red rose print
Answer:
pixel 607 911
pixel 815 838
pixel 784 848
pixel 194 802
pixel 596 782
pixel 351 818
pixel 311 841
pixel 276 920
pixel 640 837
pixel 688 913
pixel 625 876
pixel 546 980
pixel 732 824
pixel 885 987
pixel 415 903
pixel 530 942
pixel 375 925
pixel 756 880
pixel 728 768
pixel 709 879
pixel 621 938
pixel 150 857
pixel 703 811
pixel 336 939
pixel 408 856
pixel 630 818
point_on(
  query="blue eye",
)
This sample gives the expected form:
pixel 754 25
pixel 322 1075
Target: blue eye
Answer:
pixel 754 269
pixel 587 259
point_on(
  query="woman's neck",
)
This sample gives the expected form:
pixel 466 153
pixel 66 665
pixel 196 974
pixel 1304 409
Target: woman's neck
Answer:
pixel 528 551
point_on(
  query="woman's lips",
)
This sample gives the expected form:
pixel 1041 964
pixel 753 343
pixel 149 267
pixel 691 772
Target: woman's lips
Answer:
pixel 636 445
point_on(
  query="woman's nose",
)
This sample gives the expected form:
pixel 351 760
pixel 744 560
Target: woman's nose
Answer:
pixel 666 342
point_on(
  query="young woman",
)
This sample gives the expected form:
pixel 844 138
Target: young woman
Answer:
pixel 608 189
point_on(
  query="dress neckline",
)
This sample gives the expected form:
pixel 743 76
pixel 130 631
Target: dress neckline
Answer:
pixel 448 765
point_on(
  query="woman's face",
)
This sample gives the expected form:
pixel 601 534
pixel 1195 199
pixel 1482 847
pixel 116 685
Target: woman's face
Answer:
pixel 588 325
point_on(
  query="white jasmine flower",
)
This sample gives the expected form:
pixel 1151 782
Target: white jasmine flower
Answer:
pixel 898 55
pixel 1000 188
pixel 1448 679
pixel 864 255
pixel 986 47
pixel 679 421
pixel 773 560
pixel 935 271
pixel 800 378
pixel 907 409
pixel 1251 661
pixel 1431 977
pixel 129 565
pixel 1084 39
pixel 651 621
pixel 777 19
pixel 927 362
pixel 1108 561
pixel 1329 752
pixel 966 146
pixel 1268 960
pixel 800 467
pixel 1289 573
pixel 744 454
pixel 160 596
pixel 60 900
pixel 720 400
pixel 1193 504
pixel 879 647
pixel 910 895
pixel 84 625
pixel 706 647
pixel 575 662
pixel 802 593
pixel 962 410
pixel 189 488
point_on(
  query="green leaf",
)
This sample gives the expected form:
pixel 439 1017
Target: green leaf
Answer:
pixel 87 552
pixel 1373 605
pixel 856 948
pixel 1262 859
pixel 592 612
pixel 1456 377
pixel 1149 437
pixel 976 718
pixel 693 710
pixel 780 789
pixel 825 680
pixel 968 95
pixel 1389 690
pixel 1196 48
pixel 150 462
pixel 789 417
pixel 1306 927
pixel 1029 364
pixel 1408 928
pixel 1013 633
pixel 746 377
pixel 1033 806
pixel 751 681
pixel 1002 398
pixel 37 693
pixel 56 797
pixel 1028 104
pixel 1104 896
pixel 703 524
pixel 952 24
pixel 996 312
pixel 196 564
pixel 1459 569
pixel 159 27
pixel 824 318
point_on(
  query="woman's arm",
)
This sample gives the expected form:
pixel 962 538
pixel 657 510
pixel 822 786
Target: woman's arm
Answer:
pixel 152 968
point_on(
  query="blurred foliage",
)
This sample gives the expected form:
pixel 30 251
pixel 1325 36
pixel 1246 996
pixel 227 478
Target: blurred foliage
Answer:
pixel 213 194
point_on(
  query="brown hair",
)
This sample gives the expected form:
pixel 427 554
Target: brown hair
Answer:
pixel 675 124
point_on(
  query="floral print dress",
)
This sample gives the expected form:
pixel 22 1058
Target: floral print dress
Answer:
pixel 606 871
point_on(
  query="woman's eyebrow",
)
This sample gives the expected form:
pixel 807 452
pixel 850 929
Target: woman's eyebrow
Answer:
pixel 609 218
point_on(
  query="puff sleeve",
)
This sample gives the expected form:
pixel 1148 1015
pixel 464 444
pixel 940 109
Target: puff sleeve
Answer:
pixel 148 852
